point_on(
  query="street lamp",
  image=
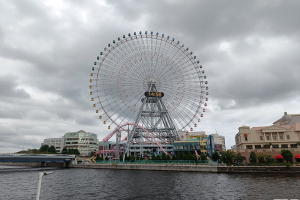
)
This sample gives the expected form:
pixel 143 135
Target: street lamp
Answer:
pixel 41 174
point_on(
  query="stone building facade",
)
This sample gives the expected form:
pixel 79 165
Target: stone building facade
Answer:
pixel 283 134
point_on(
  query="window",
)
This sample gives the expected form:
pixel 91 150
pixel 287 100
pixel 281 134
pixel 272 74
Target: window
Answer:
pixel 257 146
pixel 275 146
pixel 246 138
pixel 281 137
pixel 288 137
pixel 261 137
pixel 293 145
pixel 266 146
pixel 284 146
pixel 274 137
pixel 268 137
pixel 248 146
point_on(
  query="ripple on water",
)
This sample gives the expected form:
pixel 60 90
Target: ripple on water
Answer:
pixel 21 183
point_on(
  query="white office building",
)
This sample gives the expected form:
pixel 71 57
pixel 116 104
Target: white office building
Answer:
pixel 85 142
pixel 58 143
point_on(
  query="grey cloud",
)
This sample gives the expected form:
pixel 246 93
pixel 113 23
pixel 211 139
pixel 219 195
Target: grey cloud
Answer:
pixel 57 52
pixel 8 88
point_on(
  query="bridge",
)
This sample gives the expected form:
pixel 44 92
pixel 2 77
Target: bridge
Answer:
pixel 43 160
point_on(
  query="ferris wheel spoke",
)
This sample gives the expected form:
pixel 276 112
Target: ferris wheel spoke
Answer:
pixel 126 68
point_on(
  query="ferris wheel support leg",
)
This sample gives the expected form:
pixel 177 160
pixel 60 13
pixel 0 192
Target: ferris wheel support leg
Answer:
pixel 129 138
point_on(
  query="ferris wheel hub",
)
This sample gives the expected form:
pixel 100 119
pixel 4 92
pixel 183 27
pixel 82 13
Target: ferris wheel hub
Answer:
pixel 151 82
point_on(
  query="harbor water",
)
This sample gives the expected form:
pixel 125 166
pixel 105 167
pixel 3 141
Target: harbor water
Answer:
pixel 72 183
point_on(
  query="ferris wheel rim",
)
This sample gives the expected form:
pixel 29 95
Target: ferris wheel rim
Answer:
pixel 168 41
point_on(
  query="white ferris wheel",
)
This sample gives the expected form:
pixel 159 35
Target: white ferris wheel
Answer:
pixel 127 66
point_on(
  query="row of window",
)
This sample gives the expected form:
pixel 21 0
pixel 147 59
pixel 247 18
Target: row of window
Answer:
pixel 80 143
pixel 275 146
pixel 274 137
pixel 48 141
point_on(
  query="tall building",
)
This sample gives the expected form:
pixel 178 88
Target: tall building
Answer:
pixel 283 134
pixel 58 143
pixel 219 142
pixel 85 142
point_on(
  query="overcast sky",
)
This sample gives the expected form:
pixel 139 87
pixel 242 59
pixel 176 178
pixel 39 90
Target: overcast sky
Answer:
pixel 250 51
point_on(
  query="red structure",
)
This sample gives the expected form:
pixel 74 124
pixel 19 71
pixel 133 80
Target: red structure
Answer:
pixel 279 157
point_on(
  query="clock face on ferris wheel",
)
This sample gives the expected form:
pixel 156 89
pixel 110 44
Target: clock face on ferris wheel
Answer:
pixel 121 75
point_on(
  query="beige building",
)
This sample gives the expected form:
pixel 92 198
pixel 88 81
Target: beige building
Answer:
pixel 284 133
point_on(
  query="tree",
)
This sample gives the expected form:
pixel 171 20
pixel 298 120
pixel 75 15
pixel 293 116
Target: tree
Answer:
pixel 64 150
pixel 269 158
pixel 44 148
pixel 52 149
pixel 173 157
pixel 239 158
pixel 163 156
pixel 203 157
pixel 215 156
pixel 178 156
pixel 287 155
pixel 261 158
pixel 189 156
pixel 228 156
pixel 253 157
pixel 168 157
pixel 194 157
pixel 153 157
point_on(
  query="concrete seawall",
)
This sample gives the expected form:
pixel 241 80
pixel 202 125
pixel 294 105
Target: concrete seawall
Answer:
pixel 192 168
pixel 260 169
pixel 153 167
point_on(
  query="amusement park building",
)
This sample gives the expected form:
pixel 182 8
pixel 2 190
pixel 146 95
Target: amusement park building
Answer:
pixel 283 134
pixel 85 142
pixel 219 140
pixel 58 143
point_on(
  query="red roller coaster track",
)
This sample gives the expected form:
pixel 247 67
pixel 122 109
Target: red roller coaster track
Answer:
pixel 119 128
